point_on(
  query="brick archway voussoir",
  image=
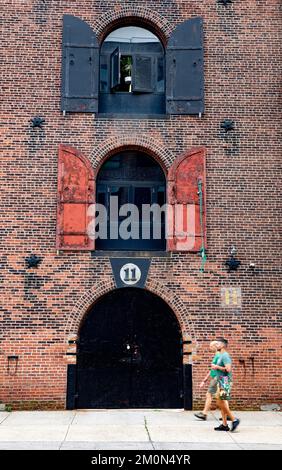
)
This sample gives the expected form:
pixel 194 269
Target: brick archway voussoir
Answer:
pixel 90 296
pixel 119 17
pixel 142 143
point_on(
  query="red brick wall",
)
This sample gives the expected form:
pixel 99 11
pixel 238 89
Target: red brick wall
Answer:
pixel 41 307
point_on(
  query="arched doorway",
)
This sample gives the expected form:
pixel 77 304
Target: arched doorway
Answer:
pixel 130 353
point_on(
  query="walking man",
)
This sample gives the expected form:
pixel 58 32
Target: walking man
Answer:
pixel 212 375
pixel 222 367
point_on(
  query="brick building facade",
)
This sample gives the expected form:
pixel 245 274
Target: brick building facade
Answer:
pixel 43 307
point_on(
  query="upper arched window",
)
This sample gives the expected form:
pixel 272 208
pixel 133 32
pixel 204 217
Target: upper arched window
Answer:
pixel 132 61
pixel 131 71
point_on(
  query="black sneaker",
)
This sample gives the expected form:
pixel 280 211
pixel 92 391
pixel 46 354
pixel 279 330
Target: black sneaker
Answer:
pixel 235 424
pixel 222 428
pixel 201 416
pixel 228 419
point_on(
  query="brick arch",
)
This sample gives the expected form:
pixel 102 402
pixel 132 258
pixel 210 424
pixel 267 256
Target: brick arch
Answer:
pixel 87 299
pixel 134 14
pixel 90 296
pixel 178 307
pixel 119 143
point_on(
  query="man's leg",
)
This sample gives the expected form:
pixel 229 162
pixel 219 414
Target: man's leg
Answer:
pixel 227 412
pixel 235 421
pixel 223 426
pixel 203 414
pixel 223 414
pixel 208 403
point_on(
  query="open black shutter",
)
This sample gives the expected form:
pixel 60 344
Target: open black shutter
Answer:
pixel 115 68
pixel 80 66
pixel 142 80
pixel 184 69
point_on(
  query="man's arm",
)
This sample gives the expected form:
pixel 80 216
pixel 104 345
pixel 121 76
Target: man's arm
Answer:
pixel 205 379
pixel 225 368
pixel 215 367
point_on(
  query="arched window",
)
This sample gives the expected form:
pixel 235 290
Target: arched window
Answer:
pixel 132 76
pixel 133 180
pixel 131 186
pixel 132 72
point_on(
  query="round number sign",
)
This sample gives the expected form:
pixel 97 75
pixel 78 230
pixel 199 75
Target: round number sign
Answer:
pixel 130 274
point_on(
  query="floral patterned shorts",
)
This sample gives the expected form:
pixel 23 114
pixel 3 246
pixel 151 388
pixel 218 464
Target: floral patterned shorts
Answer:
pixel 224 386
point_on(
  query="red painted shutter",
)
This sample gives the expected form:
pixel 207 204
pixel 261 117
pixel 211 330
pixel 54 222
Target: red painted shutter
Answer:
pixel 76 192
pixel 183 197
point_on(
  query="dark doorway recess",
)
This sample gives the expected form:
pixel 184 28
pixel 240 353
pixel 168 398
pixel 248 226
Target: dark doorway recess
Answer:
pixel 130 354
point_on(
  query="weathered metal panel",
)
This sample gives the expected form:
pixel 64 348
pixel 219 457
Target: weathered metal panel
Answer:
pixel 130 103
pixel 75 195
pixel 143 67
pixel 80 66
pixel 71 387
pixel 115 68
pixel 187 389
pixel 183 177
pixel 185 69
pixel 130 354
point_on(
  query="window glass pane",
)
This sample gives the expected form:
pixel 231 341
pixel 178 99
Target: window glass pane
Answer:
pixel 142 196
pixel 131 166
pixel 101 198
pixel 132 34
pixel 161 196
pixel 122 193
pixel 140 52
pixel 113 162
pixel 103 73
pixel 134 178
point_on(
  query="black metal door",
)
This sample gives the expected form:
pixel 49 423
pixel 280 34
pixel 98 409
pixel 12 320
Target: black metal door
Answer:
pixel 130 353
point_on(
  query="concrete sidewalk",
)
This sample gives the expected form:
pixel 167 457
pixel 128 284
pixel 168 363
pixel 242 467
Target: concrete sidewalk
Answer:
pixel 135 429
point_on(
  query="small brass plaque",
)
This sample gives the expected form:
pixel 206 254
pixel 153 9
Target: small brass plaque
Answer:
pixel 231 297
